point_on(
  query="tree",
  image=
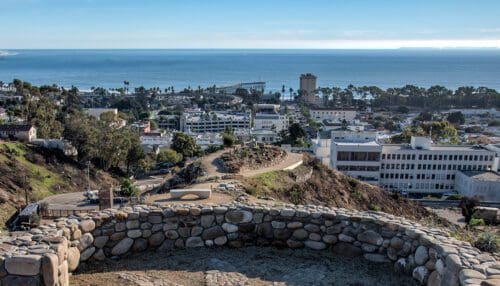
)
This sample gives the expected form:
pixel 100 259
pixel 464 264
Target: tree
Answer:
pixel 128 189
pixel 403 109
pixel 185 145
pixel 169 157
pixel 456 118
pixel 228 139
pixel 44 117
pixel 135 153
pixel 296 132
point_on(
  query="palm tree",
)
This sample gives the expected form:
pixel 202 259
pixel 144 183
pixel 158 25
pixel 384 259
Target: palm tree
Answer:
pixel 291 91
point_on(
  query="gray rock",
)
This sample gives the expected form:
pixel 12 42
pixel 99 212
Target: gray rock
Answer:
pixel 238 216
pixel 194 241
pixel 221 240
pixel 25 265
pixel 346 238
pixel 50 270
pixel 213 232
pixel 329 239
pixel 421 255
pixel 466 274
pixel 100 241
pixel 207 220
pixel 99 255
pixel 134 233
pixel 316 245
pixel 156 239
pixel 171 234
pixel 300 234
pixel 397 243
pixel 87 253
pixel 228 227
pixel 122 247
pixel 421 274
pixel 371 237
pixel 369 247
pixel 132 224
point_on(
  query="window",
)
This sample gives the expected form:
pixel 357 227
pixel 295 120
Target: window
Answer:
pixel 413 156
pixel 420 157
pixel 398 157
pixel 383 156
pixel 433 176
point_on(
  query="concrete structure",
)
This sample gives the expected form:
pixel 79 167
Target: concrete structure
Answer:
pixel 307 89
pixel 271 121
pixel 200 193
pixel 265 136
pixel 485 185
pixel 47 255
pixel 142 127
pixel 357 155
pixel 97 112
pixel 333 115
pixel 471 112
pixel 420 167
pixel 65 146
pixel 200 122
pixel 23 132
pixel 160 139
pixel 258 86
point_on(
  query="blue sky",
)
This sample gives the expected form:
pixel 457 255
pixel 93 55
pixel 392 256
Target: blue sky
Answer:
pixel 248 24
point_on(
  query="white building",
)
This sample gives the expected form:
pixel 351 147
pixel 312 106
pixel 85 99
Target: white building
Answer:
pixel 200 122
pixel 356 154
pixel 471 112
pixel 160 140
pixel 485 185
pixel 333 115
pixel 419 167
pixel 97 112
pixel 271 121
pixel 423 167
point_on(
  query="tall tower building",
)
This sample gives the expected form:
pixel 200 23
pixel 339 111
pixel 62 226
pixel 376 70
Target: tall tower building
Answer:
pixel 308 87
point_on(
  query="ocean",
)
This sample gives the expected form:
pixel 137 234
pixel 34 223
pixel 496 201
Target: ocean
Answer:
pixel 183 68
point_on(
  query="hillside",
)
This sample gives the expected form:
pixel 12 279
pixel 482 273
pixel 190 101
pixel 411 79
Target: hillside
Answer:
pixel 42 173
pixel 314 183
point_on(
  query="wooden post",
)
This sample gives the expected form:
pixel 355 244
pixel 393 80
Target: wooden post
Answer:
pixel 105 199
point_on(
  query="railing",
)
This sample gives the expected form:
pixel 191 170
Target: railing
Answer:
pixel 55 213
pixel 451 203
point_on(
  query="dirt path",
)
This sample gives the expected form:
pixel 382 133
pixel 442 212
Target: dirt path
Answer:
pixel 245 266
pixel 212 169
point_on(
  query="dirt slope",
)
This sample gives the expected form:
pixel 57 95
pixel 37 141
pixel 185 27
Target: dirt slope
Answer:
pixel 42 173
pixel 330 188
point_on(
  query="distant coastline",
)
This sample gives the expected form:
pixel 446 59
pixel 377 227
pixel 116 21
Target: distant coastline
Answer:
pixel 184 68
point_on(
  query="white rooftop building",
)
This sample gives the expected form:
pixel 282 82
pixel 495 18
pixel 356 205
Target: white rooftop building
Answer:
pixel 201 122
pixel 420 167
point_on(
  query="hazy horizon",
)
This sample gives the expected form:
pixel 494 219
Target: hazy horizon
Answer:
pixel 227 24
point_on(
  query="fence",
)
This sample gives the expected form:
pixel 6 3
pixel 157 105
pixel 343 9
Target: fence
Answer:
pixel 55 213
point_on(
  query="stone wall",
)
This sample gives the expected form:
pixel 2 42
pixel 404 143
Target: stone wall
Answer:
pixel 47 254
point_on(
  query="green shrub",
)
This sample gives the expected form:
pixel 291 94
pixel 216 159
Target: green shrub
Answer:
pixel 475 222
pixel 251 190
pixel 488 241
pixel 454 197
pixel 374 207
pixel 467 205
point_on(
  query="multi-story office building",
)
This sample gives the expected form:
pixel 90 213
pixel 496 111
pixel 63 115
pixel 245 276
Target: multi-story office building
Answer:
pixel 356 155
pixel 200 122
pixel 270 121
pixel 419 167
pixel 334 115
pixel 423 167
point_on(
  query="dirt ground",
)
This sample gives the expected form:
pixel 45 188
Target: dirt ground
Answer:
pixel 245 266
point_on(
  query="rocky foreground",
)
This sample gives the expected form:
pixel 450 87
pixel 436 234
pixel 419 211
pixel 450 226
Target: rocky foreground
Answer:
pixel 47 255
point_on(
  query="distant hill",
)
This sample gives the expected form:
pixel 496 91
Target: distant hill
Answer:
pixel 314 183
pixel 41 172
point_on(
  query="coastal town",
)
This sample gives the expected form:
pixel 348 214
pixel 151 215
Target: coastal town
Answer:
pixel 423 154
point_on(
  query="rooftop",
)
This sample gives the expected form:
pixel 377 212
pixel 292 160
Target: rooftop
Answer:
pixel 15 127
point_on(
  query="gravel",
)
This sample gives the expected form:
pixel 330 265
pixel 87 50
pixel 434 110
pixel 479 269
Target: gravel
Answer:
pixel 245 266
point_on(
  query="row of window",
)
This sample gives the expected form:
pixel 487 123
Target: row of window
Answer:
pixel 408 176
pixel 358 156
pixel 418 186
pixel 358 168
pixel 434 167
pixel 437 157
